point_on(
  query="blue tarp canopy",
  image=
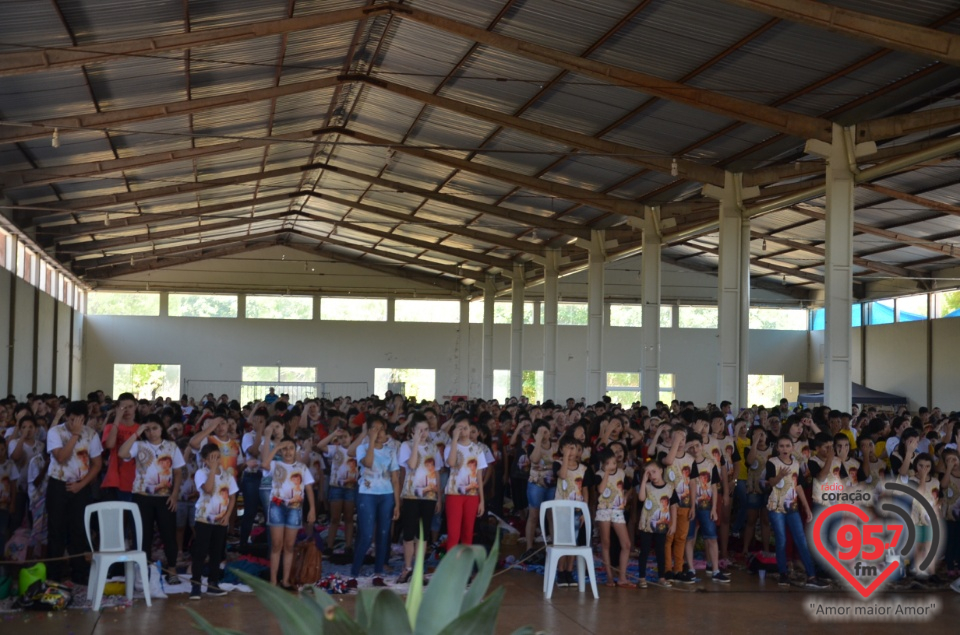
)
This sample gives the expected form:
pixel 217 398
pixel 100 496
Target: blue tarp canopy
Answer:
pixel 813 393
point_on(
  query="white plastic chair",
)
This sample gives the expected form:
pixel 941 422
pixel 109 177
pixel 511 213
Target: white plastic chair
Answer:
pixel 114 549
pixel 564 543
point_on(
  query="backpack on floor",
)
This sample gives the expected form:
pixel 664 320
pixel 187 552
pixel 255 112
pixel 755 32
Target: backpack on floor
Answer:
pixel 757 561
pixel 45 596
pixel 307 564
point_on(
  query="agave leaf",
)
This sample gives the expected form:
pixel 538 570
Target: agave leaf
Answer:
pixel 480 620
pixel 482 581
pixel 443 599
pixel 321 598
pixel 209 628
pixel 365 602
pixel 389 615
pixel 292 618
pixel 415 594
pixel 524 630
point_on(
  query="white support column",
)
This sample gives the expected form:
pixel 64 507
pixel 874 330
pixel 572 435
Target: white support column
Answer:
pixel 733 297
pixel 841 156
pixel 650 294
pixel 596 383
pixel 551 295
pixel 489 293
pixel 516 332
pixel 463 349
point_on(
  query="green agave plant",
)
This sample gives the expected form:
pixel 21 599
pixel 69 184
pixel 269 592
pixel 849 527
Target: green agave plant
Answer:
pixel 446 607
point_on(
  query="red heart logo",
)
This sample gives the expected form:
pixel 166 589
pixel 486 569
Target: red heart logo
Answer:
pixel 865 591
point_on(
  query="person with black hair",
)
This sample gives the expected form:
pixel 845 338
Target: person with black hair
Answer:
pixel 156 485
pixel 75 462
pixel 217 495
pixel 216 430
pixel 118 481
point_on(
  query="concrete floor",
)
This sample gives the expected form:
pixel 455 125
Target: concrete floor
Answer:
pixel 744 606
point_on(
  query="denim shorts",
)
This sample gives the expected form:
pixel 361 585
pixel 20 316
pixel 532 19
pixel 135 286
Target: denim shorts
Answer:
pixel 186 514
pixel 537 495
pixel 283 516
pixel 345 494
pixel 756 501
pixel 708 528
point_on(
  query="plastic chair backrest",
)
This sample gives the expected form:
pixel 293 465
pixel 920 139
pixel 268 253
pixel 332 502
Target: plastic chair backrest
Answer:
pixel 564 520
pixel 110 520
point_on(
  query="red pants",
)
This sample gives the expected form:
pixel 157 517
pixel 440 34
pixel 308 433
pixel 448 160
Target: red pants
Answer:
pixel 461 517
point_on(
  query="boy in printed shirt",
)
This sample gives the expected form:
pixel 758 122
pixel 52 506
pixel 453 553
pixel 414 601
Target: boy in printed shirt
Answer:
pixel 75 462
pixel 705 480
pixel 217 495
pixel 658 502
pixel 571 485
pixel 187 505
pixel 678 466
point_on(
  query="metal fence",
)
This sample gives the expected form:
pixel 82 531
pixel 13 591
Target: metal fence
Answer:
pixel 247 391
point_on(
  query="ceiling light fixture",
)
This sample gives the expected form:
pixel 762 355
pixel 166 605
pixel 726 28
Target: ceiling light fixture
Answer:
pixel 674 169
pixel 764 244
pixel 55 142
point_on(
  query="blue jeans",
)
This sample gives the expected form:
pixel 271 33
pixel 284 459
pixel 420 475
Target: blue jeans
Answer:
pixel 250 488
pixel 740 502
pixel 373 511
pixel 780 523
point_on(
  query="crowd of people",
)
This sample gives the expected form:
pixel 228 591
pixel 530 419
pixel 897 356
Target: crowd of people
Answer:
pixel 204 473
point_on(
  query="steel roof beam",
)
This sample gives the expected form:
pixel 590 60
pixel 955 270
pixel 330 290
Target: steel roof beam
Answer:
pixel 460 230
pixel 912 198
pixel 820 251
pixel 687 169
pixel 441 283
pixel 763 263
pixel 41 128
pixel 44 59
pixel 63 233
pixel 75 250
pixel 794 291
pixel 899 36
pixel 803 126
pixel 599 200
pixel 484 259
pixel 146 261
pixel 909 123
pixel 461 271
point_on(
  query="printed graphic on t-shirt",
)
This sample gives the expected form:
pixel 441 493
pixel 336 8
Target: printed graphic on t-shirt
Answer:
pixel 756 470
pixel 424 481
pixel 78 465
pixel 289 482
pixel 316 466
pixel 655 510
pixel 783 495
pixel 613 495
pixel 210 507
pixel 679 475
pixel 465 479
pixel 155 467
pixel 930 491
pixel 829 479
pixel 721 451
pixel 541 471
pixel 707 476
pixel 851 483
pixel 570 488
pixel 344 470
pixel 950 495
pixel 377 479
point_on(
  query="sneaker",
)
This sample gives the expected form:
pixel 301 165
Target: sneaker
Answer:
pixel 172 579
pixel 215 591
pixel 405 576
pixel 687 577
pixel 670 575
pixel 642 583
pixel 956 585
pixel 783 580
pixel 665 582
pixel 527 554
pixel 568 579
pixel 721 577
pixel 195 592
pixel 817 583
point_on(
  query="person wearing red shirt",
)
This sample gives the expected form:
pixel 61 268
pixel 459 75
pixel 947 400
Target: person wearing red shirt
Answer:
pixel 118 481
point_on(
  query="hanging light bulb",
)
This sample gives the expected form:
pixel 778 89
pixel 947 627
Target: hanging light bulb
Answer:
pixel 764 244
pixel 55 142
pixel 674 170
pixel 106 219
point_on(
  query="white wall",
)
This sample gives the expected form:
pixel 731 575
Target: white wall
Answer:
pixel 350 351
pixel 50 319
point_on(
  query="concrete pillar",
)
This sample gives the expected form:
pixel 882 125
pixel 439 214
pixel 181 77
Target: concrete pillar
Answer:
pixel 489 296
pixel 516 332
pixel 733 297
pixel 650 294
pixel 551 296
pixel 596 382
pixel 841 156
pixel 463 349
